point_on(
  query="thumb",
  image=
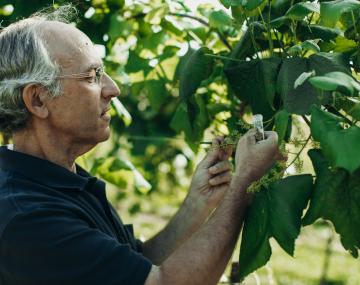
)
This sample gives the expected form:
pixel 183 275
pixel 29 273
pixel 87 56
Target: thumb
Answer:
pixel 213 154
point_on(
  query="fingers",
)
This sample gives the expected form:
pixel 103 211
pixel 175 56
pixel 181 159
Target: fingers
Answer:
pixel 220 167
pixel 220 179
pixel 217 152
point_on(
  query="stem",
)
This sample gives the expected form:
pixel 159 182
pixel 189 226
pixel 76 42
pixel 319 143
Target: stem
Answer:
pixel 202 21
pixel 298 154
pixel 163 72
pixel 331 109
pixel 306 120
pixel 354 23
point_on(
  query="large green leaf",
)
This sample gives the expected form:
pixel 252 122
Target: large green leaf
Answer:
pixel 275 212
pixel 300 10
pixel 255 82
pixel 331 11
pixel 198 67
pixel 299 100
pixel 340 146
pixel 336 81
pixel 336 198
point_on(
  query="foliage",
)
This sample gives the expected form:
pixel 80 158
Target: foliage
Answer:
pixel 185 75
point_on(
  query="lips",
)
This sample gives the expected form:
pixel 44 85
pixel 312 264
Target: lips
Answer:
pixel 107 109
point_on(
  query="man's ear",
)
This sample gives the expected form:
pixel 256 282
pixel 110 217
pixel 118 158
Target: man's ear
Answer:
pixel 34 97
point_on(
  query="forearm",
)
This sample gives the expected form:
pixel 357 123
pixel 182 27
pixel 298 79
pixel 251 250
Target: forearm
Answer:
pixel 185 222
pixel 202 258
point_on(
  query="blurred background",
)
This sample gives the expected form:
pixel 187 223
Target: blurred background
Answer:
pixel 147 163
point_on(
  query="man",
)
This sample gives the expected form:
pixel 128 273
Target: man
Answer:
pixel 56 226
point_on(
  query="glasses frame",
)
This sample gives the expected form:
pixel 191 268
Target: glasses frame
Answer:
pixel 99 73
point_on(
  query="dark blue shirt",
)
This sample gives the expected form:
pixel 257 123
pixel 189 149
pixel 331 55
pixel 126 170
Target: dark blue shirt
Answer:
pixel 57 228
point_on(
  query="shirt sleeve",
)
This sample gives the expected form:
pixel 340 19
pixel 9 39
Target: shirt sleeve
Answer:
pixel 55 247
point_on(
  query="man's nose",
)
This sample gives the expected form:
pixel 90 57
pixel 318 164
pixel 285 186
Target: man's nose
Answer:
pixel 109 87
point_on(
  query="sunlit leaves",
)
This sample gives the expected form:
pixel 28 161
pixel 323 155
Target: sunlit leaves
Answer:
pixel 336 198
pixel 331 11
pixel 157 14
pixel 269 216
pixel 339 145
pixel 219 19
pixel 118 171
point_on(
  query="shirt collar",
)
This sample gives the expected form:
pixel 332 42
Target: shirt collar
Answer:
pixel 43 171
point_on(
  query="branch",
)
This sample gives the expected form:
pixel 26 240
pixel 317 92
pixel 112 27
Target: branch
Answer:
pixel 298 154
pixel 201 21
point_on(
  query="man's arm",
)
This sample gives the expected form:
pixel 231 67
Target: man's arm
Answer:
pixel 209 184
pixel 202 258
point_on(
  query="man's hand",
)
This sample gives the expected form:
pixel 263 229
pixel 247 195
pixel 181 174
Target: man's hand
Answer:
pixel 254 158
pixel 211 178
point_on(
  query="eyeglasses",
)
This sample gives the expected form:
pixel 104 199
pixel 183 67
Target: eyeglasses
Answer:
pixel 94 78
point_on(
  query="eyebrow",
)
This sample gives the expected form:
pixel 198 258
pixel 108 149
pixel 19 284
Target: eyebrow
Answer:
pixel 93 66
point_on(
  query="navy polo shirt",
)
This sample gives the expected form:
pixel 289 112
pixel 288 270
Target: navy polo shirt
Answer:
pixel 57 228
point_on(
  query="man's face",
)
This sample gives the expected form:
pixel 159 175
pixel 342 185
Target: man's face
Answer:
pixel 80 114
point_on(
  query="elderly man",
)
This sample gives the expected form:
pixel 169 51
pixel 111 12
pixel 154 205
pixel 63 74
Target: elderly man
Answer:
pixel 56 225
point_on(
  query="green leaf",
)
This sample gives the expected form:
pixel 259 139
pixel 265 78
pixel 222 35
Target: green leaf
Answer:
pixel 299 100
pixel 301 10
pixel 336 198
pixel 219 19
pixel 255 82
pixel 306 31
pixel 336 81
pixel 340 146
pixel 136 63
pixel 302 78
pixel 308 45
pixel 198 68
pixel 331 11
pixel 275 212
pixel 119 27
pixel 151 42
pixel 281 124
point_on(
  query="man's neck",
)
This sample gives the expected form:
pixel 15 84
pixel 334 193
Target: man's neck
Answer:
pixel 55 149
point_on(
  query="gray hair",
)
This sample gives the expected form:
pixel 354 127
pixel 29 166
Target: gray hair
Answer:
pixel 25 60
